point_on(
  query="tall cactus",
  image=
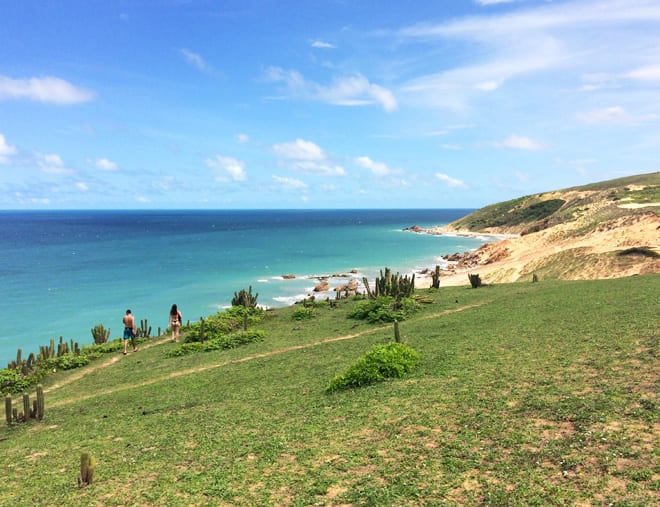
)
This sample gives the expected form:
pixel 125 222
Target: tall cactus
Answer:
pixel 26 406
pixel 40 402
pixel 435 276
pixel 8 409
pixel 87 465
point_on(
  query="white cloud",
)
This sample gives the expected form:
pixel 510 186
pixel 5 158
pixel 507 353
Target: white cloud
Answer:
pixel 194 59
pixel 344 91
pixel 6 150
pixel 227 166
pixel 243 138
pixel 552 38
pixel 451 182
pixel 377 168
pixel 105 164
pixel 82 186
pixel 52 163
pixel 45 89
pixel 647 73
pixel 300 150
pixel 614 114
pixel 290 183
pixel 322 45
pixel 520 143
pixel 308 157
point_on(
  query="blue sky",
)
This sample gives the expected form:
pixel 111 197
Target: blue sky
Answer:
pixel 322 104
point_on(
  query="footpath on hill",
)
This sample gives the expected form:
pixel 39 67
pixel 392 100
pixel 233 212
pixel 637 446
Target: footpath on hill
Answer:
pixel 109 362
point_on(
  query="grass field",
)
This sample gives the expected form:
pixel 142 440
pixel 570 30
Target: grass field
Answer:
pixel 527 394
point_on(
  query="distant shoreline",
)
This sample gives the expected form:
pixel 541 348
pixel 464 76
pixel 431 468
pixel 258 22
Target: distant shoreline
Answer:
pixel 445 230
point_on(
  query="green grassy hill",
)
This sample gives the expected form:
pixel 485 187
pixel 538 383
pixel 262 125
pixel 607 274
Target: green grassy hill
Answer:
pixel 541 211
pixel 527 394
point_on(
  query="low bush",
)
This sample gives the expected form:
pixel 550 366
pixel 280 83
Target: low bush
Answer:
pixel 11 381
pixel 229 341
pixel 384 309
pixel 303 313
pixel 223 323
pixel 67 361
pixel 392 360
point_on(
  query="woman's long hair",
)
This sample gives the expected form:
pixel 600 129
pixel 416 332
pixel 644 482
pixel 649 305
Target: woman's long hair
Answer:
pixel 174 310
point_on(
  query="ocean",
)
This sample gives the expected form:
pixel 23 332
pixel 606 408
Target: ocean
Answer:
pixel 63 272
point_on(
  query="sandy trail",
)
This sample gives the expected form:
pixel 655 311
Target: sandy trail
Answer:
pixel 190 371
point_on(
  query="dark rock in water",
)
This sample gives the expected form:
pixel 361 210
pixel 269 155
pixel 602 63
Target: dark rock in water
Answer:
pixel 413 228
pixel 289 277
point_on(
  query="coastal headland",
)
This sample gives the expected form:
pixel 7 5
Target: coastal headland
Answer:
pixel 605 230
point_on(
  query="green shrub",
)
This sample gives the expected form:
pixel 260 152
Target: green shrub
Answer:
pixel 303 313
pixel 392 360
pixel 94 351
pixel 223 323
pixel 69 361
pixel 384 309
pixel 12 381
pixel 229 341
pixel 642 251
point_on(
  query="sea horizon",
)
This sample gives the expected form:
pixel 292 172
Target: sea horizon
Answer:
pixel 65 271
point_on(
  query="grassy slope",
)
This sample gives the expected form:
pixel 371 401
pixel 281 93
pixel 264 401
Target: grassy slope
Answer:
pixel 544 210
pixel 528 394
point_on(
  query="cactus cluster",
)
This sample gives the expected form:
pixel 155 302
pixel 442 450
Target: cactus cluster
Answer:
pixel 389 284
pixel 144 331
pixel 100 334
pixel 36 411
pixel 51 351
pixel 26 366
pixel 245 298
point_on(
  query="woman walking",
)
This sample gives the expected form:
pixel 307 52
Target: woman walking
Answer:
pixel 175 322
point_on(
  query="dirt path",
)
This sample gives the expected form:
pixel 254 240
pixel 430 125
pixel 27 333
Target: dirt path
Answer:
pixel 189 371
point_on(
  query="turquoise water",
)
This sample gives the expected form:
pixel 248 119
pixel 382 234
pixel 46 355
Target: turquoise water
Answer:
pixel 65 272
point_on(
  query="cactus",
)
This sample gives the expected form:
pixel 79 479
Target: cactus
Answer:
pixel 245 298
pixel 40 402
pixel 475 280
pixel 87 464
pixel 435 276
pixel 8 409
pixel 62 348
pixel 145 329
pixel 26 406
pixel 19 360
pixel 100 334
pixel 394 285
pixel 397 334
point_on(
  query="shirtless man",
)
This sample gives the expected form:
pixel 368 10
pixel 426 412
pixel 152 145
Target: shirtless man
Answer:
pixel 129 330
